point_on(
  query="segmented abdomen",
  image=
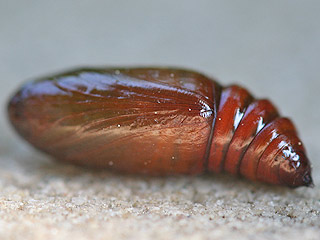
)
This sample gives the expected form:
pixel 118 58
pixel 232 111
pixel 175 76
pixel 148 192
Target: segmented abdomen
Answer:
pixel 249 138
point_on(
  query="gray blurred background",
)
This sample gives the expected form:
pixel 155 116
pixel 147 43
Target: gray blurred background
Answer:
pixel 271 47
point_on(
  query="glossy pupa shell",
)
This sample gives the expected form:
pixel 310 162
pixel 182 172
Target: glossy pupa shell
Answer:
pixel 159 121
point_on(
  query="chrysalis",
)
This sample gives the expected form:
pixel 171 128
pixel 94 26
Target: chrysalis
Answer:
pixel 159 121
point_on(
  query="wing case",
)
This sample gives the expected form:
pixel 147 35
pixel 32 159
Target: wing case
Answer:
pixel 141 120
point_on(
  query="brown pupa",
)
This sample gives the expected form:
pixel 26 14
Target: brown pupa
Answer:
pixel 159 121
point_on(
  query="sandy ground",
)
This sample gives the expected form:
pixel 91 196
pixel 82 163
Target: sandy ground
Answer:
pixel 270 47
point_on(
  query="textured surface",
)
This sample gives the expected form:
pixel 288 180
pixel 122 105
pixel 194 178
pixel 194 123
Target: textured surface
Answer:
pixel 259 45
